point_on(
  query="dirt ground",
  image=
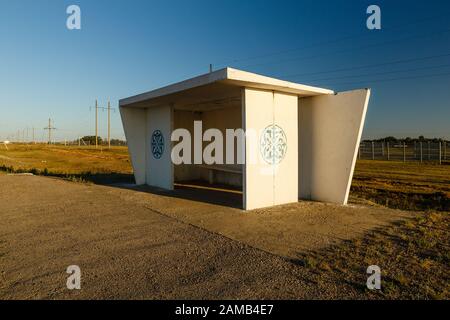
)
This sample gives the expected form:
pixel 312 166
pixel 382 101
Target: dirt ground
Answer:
pixel 285 230
pixel 142 243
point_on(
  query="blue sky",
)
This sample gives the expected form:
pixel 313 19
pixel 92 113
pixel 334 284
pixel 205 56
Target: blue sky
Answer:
pixel 127 47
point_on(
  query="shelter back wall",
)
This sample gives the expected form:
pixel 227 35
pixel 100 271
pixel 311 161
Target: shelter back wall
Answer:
pixel 228 117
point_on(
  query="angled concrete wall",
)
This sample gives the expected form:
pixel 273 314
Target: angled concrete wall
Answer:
pixel 330 128
pixel 135 127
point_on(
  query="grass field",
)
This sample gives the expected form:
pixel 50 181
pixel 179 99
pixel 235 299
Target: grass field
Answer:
pixel 410 185
pixel 74 163
pixel 414 253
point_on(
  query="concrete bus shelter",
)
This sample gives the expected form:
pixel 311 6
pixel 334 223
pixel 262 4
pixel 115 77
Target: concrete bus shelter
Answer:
pixel 307 137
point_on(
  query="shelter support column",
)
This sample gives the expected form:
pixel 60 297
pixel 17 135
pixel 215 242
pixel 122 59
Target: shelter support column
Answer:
pixel 271 148
pixel 160 172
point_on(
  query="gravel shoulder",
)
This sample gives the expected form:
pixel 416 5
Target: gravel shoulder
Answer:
pixel 135 244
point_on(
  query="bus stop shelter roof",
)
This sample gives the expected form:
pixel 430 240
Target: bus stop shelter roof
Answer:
pixel 220 84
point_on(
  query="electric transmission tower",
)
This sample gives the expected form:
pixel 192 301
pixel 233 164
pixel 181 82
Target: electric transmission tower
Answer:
pixel 49 128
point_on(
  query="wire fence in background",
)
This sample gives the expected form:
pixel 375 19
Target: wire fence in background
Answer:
pixel 422 151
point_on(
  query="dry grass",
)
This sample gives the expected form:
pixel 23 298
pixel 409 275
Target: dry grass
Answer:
pixel 73 163
pixel 413 256
pixel 61 159
pixel 409 186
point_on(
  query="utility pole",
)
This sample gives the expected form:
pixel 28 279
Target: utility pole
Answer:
pixel 373 150
pixel 34 141
pixel 421 152
pixel 445 150
pixel 109 122
pixel 96 124
pixel 49 128
pixel 404 151
pixel 388 154
pixel 109 125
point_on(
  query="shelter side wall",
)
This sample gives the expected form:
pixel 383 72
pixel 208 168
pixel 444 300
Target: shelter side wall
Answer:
pixel 135 126
pixel 159 162
pixel 229 117
pixel 222 119
pixel 329 135
pixel 304 148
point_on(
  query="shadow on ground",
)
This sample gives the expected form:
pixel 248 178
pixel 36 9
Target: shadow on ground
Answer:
pixel 215 195
pixel 194 190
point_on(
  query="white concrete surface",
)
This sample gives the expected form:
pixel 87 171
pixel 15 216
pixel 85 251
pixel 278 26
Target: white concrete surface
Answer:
pixel 160 170
pixel 286 173
pixel 322 132
pixel 268 184
pixel 229 76
pixel 329 136
pixel 228 117
pixel 258 175
pixel 135 127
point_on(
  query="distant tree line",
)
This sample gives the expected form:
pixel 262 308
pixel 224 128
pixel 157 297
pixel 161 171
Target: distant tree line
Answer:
pixel 407 139
pixel 90 140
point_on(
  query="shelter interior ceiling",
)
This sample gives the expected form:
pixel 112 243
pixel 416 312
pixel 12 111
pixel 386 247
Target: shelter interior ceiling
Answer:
pixel 213 96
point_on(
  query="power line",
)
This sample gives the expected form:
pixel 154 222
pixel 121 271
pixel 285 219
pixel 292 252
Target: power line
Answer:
pixel 362 47
pixel 381 73
pixel 368 65
pixel 358 35
pixel 395 79
pixel 395 41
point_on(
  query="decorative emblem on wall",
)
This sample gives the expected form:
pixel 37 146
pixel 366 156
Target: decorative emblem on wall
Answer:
pixel 157 144
pixel 273 144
